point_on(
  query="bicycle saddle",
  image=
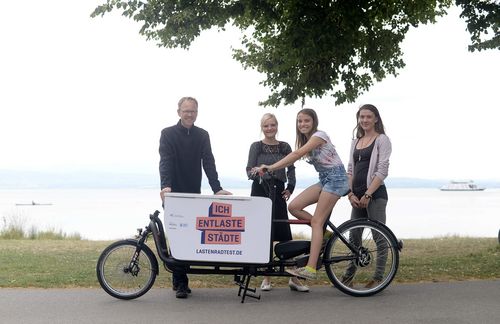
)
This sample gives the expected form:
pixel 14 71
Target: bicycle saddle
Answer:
pixel 290 249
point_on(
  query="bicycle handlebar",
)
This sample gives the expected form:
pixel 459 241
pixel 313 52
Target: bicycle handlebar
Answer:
pixel 154 215
pixel 261 176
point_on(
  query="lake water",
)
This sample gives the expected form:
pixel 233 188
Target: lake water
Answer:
pixel 105 214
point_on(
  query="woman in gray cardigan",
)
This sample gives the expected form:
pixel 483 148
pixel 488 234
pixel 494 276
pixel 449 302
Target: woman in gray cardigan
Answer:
pixel 368 167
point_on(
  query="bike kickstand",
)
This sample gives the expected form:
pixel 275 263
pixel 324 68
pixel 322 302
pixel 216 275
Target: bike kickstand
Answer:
pixel 243 283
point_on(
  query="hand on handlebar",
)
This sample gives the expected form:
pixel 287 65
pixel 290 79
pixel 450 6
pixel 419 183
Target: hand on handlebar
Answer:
pixel 260 170
pixel 254 172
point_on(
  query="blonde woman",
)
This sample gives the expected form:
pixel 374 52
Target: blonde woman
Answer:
pixel 266 151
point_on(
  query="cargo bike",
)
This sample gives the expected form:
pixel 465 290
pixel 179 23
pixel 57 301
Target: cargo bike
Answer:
pixel 231 235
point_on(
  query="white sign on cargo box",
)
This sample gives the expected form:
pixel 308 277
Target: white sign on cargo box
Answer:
pixel 218 228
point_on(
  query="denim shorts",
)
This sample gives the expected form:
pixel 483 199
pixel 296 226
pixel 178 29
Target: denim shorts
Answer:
pixel 334 181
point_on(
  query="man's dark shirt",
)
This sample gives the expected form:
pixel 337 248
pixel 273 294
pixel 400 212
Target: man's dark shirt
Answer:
pixel 183 151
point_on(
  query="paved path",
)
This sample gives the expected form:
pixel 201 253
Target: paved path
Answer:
pixel 456 302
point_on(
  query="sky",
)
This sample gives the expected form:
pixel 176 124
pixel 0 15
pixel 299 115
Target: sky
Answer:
pixel 78 93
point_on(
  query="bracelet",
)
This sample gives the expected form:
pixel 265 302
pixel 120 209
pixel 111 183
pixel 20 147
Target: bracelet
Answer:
pixel 368 196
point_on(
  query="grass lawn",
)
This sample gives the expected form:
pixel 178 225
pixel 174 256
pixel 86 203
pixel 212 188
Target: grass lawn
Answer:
pixel 71 263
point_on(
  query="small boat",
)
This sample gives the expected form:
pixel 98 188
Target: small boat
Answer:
pixel 461 186
pixel 33 203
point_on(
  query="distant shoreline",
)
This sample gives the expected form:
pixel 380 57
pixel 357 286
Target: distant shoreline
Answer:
pixel 88 180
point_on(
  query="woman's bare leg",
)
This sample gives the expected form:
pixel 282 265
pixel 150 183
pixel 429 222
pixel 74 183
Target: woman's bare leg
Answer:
pixel 325 205
pixel 306 198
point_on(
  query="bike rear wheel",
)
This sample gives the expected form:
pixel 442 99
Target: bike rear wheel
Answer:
pixel 374 266
pixel 124 271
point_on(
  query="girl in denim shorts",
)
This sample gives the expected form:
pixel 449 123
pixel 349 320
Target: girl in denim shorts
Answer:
pixel 316 147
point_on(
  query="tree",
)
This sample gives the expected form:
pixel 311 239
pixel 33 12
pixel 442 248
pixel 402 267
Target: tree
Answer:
pixel 482 17
pixel 308 48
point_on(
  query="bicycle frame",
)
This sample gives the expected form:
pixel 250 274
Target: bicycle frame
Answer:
pixel 343 255
pixel 292 253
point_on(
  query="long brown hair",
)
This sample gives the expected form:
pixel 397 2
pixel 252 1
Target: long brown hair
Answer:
pixel 301 139
pixel 379 125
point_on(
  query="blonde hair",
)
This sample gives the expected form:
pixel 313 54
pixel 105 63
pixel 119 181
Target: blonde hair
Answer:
pixel 266 117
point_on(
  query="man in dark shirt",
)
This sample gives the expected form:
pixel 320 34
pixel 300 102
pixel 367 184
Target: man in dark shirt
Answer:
pixel 184 149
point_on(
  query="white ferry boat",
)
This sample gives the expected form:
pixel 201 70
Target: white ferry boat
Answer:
pixel 461 186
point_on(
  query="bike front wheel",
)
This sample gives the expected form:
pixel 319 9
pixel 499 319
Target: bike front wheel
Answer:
pixel 373 265
pixel 126 272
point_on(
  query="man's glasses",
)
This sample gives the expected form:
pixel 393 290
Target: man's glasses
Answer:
pixel 189 112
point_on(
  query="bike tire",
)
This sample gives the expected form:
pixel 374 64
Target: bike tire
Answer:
pixel 373 270
pixel 116 276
